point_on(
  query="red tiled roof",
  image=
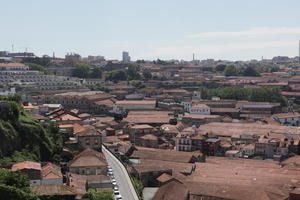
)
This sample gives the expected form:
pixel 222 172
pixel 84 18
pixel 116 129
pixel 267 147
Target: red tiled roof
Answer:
pixel 88 131
pixel 164 178
pixel 51 171
pixel 53 189
pixel 12 65
pixel 106 102
pixel 26 165
pixel 88 157
pixel 78 128
pixel 67 117
pixel 174 190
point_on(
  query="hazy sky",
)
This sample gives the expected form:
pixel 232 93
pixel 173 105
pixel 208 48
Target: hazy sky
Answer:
pixel 151 29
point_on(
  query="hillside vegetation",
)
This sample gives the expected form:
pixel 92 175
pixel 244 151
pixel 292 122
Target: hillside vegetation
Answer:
pixel 24 138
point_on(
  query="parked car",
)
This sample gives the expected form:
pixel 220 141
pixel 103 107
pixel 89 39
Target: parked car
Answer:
pixel 109 169
pixel 116 187
pixel 110 174
pixel 118 197
pixel 116 192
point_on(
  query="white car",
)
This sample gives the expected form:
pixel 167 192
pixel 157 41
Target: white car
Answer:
pixel 116 192
pixel 116 187
pixel 118 197
pixel 114 183
pixel 110 174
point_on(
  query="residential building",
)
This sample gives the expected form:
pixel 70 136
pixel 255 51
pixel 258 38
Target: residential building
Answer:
pixel 137 131
pixel 136 105
pixel 29 81
pixel 32 169
pixel 189 140
pixel 266 147
pixel 89 102
pixel 13 67
pixel 236 178
pixel 89 137
pixel 233 153
pixel 190 119
pixel 186 105
pixel 256 108
pixel 51 174
pixel 38 174
pixel 200 109
pixel 88 162
pixel 60 191
pixel 149 117
pixel 147 140
pixel 247 150
pixel 292 119
pixel 7 91
pixel 173 189
pixel 211 146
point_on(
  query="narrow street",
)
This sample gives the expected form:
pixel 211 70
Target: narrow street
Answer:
pixel 123 180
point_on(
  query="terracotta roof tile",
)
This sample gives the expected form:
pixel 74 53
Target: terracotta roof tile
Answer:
pixel 88 157
pixel 51 171
pixel 26 165
pixel 53 189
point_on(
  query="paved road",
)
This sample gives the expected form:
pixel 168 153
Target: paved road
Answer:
pixel 125 185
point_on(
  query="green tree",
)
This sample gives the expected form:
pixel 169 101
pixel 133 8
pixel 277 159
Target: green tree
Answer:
pixel 15 186
pixel 13 193
pixel 263 94
pixel 138 185
pixel 81 70
pixel 37 67
pixel 230 70
pixel 14 179
pixel 43 61
pixel 93 195
pixel 250 71
pixel 132 73
pixel 220 68
pixel 22 137
pixel 96 72
pixel 137 84
pixel 117 75
pixel 147 74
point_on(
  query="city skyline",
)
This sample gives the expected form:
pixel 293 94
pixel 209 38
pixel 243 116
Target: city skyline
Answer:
pixel 167 30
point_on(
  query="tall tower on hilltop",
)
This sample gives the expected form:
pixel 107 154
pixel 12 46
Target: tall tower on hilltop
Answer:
pixel 125 57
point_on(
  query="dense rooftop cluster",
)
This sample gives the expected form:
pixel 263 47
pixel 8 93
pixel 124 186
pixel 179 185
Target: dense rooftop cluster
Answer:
pixel 183 130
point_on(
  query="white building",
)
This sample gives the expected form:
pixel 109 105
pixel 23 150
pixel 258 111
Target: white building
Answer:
pixel 200 109
pixel 37 81
pixel 197 95
pixel 5 91
pixel 125 57
pixel 186 105
pixel 287 118
pixel 13 66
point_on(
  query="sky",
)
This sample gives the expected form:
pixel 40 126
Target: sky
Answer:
pixel 152 29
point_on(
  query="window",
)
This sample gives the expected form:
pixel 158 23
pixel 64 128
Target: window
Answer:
pixel 96 141
pixel 87 141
